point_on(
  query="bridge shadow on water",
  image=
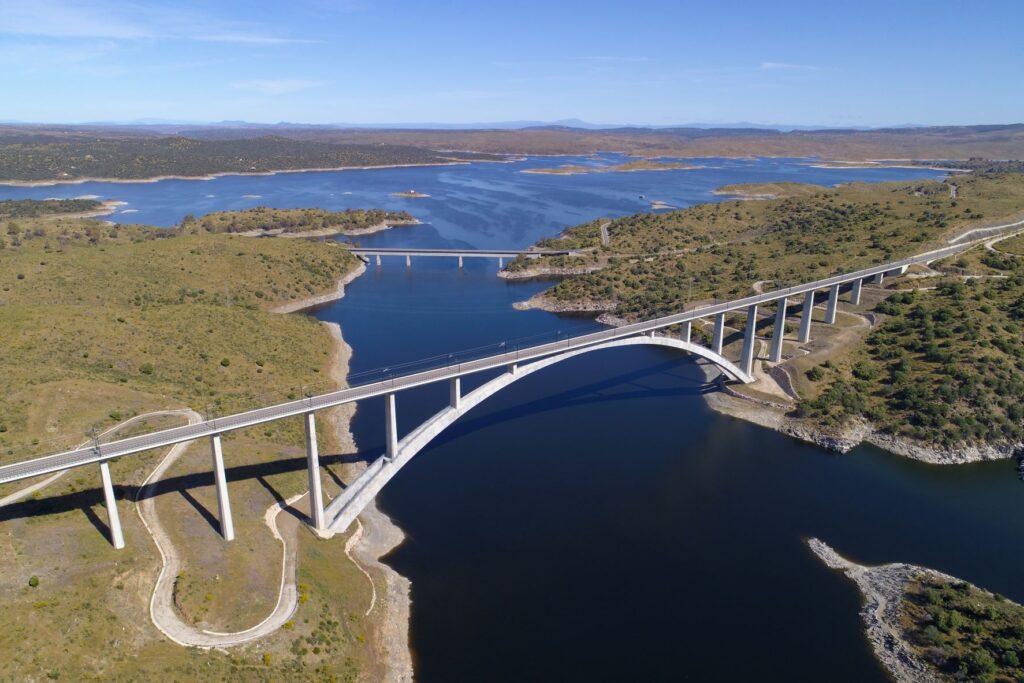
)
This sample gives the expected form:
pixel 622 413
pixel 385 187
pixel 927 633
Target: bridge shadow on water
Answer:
pixel 88 500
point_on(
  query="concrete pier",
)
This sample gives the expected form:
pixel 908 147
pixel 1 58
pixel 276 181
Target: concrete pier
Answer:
pixel 408 261
pixel 316 494
pixel 460 263
pixel 687 332
pixel 806 315
pixel 390 427
pixel 719 334
pixel 113 517
pixel 878 279
pixel 749 337
pixel 501 262
pixel 378 259
pixel 855 292
pixel 780 330
pixel 227 526
pixel 455 392
pixel 833 304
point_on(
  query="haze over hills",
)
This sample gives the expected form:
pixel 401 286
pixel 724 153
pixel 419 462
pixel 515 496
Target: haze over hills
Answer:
pixel 177 124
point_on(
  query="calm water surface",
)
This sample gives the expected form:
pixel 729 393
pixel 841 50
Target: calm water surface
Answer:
pixel 595 521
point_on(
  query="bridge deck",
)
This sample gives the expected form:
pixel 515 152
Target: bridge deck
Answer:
pixel 388 384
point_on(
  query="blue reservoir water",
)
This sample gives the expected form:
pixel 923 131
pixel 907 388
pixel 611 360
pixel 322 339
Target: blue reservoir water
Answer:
pixel 596 521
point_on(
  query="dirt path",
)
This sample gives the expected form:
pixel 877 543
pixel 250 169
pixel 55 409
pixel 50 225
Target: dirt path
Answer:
pixel 605 238
pixel 162 611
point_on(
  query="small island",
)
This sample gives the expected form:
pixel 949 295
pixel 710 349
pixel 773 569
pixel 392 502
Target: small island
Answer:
pixel 627 167
pixel 263 221
pixel 410 194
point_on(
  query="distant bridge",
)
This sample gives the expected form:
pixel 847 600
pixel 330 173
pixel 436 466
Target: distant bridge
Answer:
pixel 517 363
pixel 501 254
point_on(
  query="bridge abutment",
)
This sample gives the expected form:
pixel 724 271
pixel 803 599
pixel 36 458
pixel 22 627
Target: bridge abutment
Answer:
pixel 719 334
pixel 833 304
pixel 749 336
pixel 390 426
pixel 455 392
pixel 806 316
pixel 316 494
pixel 855 292
pixel 227 526
pixel 779 333
pixel 113 517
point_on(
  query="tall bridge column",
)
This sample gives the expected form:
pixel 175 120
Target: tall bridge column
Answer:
pixel 806 314
pixel 501 262
pixel 878 279
pixel 780 329
pixel 113 517
pixel 408 261
pixel 747 360
pixel 455 392
pixel 716 339
pixel 227 527
pixel 855 292
pixel 378 259
pixel 460 262
pixel 316 493
pixel 833 304
pixel 390 427
pixel 687 332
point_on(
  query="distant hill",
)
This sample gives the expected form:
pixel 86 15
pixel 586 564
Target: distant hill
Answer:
pixel 41 152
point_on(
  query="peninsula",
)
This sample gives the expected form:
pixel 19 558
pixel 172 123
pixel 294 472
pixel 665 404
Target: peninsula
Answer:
pixel 887 375
pixel 153 324
pixel 926 626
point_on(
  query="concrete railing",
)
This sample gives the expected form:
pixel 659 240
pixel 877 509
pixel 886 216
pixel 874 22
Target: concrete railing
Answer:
pixel 389 384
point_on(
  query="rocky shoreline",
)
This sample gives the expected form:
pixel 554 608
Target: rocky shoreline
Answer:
pixel 547 272
pixel 883 590
pixel 379 534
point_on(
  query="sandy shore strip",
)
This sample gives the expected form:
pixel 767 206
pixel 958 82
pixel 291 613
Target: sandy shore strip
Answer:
pixel 378 536
pixel 883 590
pixel 222 174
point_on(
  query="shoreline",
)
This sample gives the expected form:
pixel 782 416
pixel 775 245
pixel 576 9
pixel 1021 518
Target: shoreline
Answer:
pixel 882 589
pixel 219 174
pixel 774 415
pixel 330 232
pixel 379 535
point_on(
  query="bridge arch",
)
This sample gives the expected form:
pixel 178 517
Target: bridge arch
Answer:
pixel 343 510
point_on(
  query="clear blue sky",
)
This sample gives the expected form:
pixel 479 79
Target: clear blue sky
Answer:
pixel 368 61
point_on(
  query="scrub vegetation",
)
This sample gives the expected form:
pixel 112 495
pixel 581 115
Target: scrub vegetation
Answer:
pixel 944 365
pixel 965 632
pixel 264 219
pixel 657 263
pixel 44 158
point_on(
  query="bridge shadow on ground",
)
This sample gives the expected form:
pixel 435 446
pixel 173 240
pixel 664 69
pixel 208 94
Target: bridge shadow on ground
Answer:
pixel 594 393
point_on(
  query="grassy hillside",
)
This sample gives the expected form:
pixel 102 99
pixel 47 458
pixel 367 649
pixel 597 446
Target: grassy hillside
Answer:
pixel 945 365
pixel 655 263
pixel 100 323
pixel 182 319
